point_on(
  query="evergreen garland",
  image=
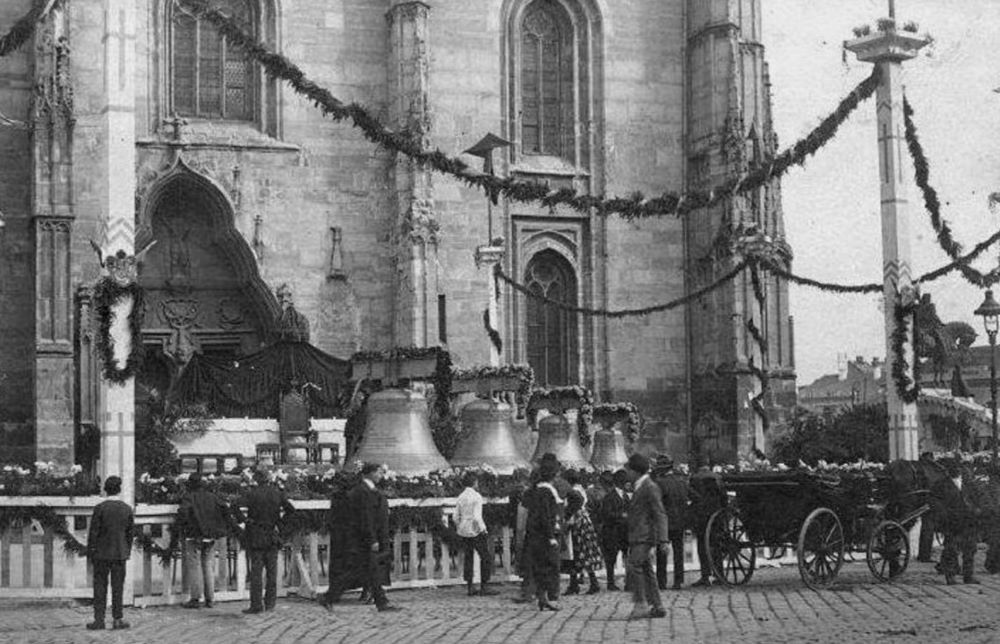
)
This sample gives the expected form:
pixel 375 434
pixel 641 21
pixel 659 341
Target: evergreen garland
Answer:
pixel 627 412
pixel 933 205
pixel 495 339
pixel 559 399
pixel 164 554
pixel 24 28
pixel 48 519
pixel 107 293
pixel 443 427
pixel 757 402
pixel 621 313
pixel 907 386
pixel 522 373
pixel 635 206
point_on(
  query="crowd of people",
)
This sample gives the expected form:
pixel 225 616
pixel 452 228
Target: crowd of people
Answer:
pixel 639 514
pixel 636 513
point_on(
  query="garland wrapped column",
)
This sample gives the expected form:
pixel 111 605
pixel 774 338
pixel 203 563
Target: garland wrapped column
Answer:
pixel 117 292
pixel 887 49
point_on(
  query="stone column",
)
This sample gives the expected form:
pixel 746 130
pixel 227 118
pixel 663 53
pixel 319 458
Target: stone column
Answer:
pixel 415 228
pixel 888 49
pixel 118 204
pixel 52 123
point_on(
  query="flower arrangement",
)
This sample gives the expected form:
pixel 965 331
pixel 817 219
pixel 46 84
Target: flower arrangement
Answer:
pixel 301 483
pixel 46 479
pixel 607 414
pixel 886 25
pixel 522 374
pixel 557 400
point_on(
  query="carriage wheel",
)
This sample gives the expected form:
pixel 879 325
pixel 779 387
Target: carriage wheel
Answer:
pixel 821 548
pixel 888 551
pixel 733 556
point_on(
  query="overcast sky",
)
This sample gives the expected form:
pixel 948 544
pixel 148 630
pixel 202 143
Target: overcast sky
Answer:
pixel 831 205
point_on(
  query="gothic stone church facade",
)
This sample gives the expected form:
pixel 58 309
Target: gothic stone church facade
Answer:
pixel 245 187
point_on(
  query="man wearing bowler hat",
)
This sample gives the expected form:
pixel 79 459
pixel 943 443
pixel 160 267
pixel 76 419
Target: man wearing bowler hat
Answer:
pixel 647 532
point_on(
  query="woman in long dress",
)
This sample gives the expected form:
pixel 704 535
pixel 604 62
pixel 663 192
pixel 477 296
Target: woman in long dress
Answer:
pixel 587 558
pixel 541 535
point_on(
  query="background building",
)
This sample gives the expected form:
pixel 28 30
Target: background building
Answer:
pixel 245 187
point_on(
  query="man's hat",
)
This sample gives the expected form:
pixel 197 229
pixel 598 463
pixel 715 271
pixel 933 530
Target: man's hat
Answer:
pixel 638 463
pixel 548 467
pixel 663 462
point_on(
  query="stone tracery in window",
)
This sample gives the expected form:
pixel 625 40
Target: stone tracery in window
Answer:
pixel 210 78
pixel 546 74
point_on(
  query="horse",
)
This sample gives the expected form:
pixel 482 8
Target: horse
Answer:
pixel 909 489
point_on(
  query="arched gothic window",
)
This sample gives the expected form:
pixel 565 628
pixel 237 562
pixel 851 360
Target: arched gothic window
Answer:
pixel 546 74
pixel 551 332
pixel 210 78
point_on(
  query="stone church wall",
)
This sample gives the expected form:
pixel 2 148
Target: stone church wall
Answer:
pixel 293 178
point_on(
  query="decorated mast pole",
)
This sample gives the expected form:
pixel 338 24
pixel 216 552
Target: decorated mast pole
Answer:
pixel 887 48
pixel 488 256
pixel 118 197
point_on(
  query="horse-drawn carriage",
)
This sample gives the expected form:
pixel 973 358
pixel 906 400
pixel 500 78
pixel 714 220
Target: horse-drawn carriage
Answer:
pixel 821 515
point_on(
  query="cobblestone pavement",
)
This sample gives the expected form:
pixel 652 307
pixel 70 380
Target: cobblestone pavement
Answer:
pixel 775 607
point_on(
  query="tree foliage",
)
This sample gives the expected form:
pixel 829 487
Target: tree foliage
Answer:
pixel 854 433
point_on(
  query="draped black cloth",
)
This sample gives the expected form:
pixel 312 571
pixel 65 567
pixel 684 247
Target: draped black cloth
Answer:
pixel 251 386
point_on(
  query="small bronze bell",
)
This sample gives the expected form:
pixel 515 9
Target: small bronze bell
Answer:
pixel 609 450
pixel 488 438
pixel 556 435
pixel 397 434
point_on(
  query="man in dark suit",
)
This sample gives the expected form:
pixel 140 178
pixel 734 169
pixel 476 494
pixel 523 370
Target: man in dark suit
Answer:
pixel 956 514
pixel 674 488
pixel 109 544
pixel 927 523
pixel 707 497
pixel 613 519
pixel 203 520
pixel 267 507
pixel 365 542
pixel 647 532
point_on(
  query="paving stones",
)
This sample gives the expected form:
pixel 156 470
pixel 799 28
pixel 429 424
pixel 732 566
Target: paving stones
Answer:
pixel 775 607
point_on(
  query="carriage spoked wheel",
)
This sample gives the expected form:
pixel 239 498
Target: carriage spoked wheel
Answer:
pixel 888 551
pixel 732 552
pixel 821 548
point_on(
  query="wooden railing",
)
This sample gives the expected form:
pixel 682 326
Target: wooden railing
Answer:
pixel 33 563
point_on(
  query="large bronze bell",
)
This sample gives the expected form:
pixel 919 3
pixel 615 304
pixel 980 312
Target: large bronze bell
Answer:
pixel 557 435
pixel 397 434
pixel 609 450
pixel 488 438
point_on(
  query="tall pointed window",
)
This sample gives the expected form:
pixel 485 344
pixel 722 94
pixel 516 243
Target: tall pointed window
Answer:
pixel 551 337
pixel 546 73
pixel 211 78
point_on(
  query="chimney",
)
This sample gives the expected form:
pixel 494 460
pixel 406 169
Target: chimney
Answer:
pixel 876 369
pixel 841 366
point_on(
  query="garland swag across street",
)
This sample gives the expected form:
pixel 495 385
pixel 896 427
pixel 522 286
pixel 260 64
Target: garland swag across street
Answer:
pixel 635 206
pixel 933 205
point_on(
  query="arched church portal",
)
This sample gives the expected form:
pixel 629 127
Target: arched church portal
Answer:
pixel 552 346
pixel 203 293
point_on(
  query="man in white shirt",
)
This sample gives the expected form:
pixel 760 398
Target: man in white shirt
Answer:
pixel 472 529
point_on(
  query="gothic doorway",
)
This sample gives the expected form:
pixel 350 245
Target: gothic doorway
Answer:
pixel 203 293
pixel 551 332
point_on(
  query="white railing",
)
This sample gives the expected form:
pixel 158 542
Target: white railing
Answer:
pixel 33 563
